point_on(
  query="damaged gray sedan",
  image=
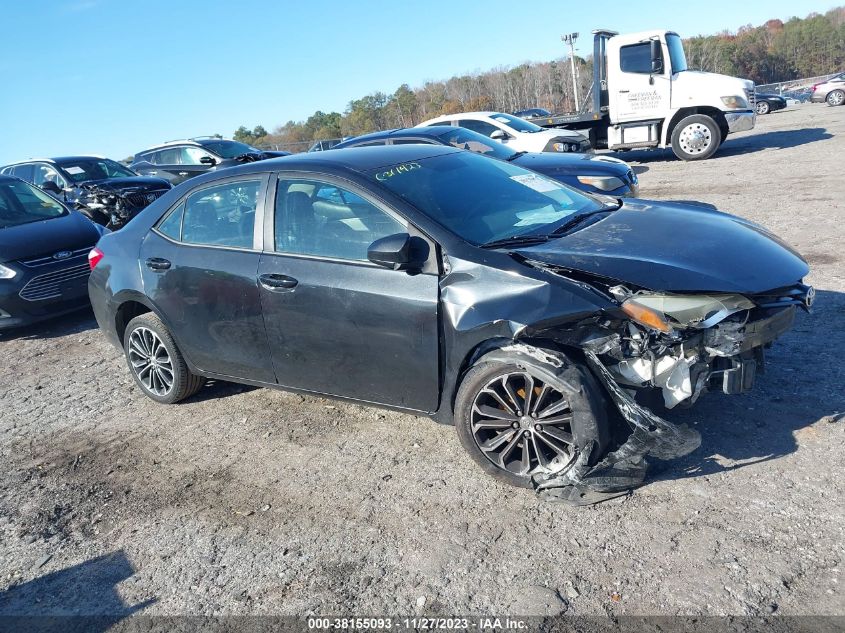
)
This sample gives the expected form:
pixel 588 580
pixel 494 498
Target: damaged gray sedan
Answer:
pixel 534 317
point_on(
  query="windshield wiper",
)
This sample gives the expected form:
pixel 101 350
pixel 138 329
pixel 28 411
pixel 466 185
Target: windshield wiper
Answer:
pixel 516 240
pixel 580 217
pixel 515 155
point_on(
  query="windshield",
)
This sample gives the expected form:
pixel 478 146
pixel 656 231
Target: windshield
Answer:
pixel 229 149
pixel 95 169
pixel 676 52
pixel 473 141
pixel 22 203
pixel 520 125
pixel 483 200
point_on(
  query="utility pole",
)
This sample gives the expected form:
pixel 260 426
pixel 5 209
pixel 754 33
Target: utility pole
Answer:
pixel 570 39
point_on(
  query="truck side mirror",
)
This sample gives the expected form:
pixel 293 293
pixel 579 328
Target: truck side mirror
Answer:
pixel 656 57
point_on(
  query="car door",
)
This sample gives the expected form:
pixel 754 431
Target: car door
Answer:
pixel 337 323
pixel 199 266
pixel 166 164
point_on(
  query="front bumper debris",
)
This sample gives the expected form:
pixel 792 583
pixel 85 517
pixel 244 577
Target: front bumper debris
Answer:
pixel 625 468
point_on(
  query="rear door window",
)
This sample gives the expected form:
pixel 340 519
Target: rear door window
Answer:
pixel 223 215
pixel 168 156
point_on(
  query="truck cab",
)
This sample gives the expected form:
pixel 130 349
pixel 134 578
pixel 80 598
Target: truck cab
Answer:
pixel 644 96
pixel 654 100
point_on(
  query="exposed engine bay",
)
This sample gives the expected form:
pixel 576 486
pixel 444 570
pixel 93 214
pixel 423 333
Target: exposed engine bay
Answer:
pixel 111 206
pixel 677 345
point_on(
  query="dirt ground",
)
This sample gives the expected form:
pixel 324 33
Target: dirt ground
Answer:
pixel 255 501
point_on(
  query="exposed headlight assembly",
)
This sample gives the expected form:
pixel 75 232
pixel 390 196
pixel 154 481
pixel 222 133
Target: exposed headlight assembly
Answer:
pixel 6 272
pixel 605 183
pixel 735 102
pixel 665 312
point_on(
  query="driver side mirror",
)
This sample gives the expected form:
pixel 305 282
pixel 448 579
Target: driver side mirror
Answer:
pixel 499 135
pixel 207 160
pixel 656 57
pixel 51 187
pixel 399 252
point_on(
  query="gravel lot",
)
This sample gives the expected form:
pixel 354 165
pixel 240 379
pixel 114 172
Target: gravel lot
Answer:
pixel 255 501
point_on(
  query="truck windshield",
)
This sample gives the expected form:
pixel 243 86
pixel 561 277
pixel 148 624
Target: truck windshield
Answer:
pixel 676 52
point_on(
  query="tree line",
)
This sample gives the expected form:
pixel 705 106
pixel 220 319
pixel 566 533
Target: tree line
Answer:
pixel 775 51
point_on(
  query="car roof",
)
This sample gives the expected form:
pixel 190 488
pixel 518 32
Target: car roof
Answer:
pixel 357 159
pixel 430 131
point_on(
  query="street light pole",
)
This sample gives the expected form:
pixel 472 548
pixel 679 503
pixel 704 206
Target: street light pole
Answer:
pixel 570 39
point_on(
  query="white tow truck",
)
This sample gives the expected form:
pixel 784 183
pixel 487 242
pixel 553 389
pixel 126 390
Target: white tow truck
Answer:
pixel 643 96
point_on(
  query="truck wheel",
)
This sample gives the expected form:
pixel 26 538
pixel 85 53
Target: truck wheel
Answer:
pixel 516 419
pixel 836 98
pixel 696 137
pixel 763 107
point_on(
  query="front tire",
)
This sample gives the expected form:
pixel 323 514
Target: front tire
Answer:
pixel 696 137
pixel 836 98
pixel 156 363
pixel 763 107
pixel 516 420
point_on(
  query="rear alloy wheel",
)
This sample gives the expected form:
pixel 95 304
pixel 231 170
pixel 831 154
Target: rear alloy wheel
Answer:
pixel 516 422
pixel 696 137
pixel 156 363
pixel 836 98
pixel 762 107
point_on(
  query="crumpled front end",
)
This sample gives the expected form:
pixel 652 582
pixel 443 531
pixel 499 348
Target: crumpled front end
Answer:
pixel 678 346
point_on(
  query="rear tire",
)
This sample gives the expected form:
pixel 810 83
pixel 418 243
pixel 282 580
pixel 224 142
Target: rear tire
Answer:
pixel 542 440
pixel 696 137
pixel 763 107
pixel 836 98
pixel 155 361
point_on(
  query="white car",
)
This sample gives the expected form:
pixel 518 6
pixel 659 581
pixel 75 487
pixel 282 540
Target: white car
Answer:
pixel 518 134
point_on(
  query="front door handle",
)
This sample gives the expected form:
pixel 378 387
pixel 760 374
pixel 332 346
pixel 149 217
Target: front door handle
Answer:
pixel 157 263
pixel 276 283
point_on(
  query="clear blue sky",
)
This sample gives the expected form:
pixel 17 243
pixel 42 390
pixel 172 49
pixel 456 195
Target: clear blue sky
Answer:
pixel 115 76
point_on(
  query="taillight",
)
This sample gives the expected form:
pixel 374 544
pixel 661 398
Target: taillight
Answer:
pixel 815 86
pixel 94 257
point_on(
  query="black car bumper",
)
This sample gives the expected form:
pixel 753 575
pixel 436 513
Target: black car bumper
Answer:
pixel 43 292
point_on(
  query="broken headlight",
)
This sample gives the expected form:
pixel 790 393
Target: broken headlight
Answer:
pixel 664 312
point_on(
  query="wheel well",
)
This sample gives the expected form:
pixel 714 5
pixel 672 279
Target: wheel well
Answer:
pixel 714 113
pixel 497 343
pixel 125 313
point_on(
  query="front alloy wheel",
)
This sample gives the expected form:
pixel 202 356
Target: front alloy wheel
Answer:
pixel 523 425
pixel 518 416
pixel 762 107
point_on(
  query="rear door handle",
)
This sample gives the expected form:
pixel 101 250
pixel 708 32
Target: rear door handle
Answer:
pixel 157 263
pixel 276 283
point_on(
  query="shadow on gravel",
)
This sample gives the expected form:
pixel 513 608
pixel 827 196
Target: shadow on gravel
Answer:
pixel 88 589
pixel 802 384
pixel 63 325
pixel 736 146
pixel 215 389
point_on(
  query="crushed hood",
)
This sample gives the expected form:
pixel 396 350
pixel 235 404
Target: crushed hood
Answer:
pixel 676 248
